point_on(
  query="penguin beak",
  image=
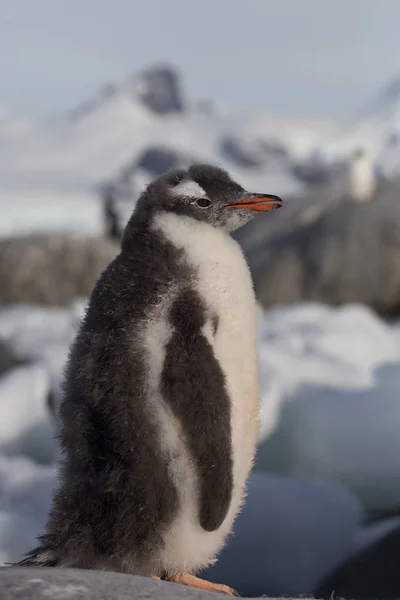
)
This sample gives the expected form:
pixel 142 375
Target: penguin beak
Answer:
pixel 258 202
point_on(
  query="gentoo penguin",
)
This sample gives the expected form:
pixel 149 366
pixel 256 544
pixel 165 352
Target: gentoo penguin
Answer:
pixel 159 415
pixel 361 177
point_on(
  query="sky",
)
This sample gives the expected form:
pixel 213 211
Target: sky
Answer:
pixel 300 56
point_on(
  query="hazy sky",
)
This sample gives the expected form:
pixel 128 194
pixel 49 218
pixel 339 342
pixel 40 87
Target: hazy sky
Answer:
pixel 323 56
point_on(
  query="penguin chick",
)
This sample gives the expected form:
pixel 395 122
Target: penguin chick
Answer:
pixel 159 415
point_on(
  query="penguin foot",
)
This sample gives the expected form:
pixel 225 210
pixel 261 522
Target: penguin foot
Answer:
pixel 202 584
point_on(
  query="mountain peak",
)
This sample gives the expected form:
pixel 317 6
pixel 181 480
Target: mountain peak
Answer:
pixel 157 88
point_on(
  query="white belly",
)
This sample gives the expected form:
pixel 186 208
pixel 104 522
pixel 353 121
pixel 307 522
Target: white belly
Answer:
pixel 225 285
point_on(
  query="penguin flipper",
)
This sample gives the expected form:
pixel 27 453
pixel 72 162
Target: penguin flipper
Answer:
pixel 193 384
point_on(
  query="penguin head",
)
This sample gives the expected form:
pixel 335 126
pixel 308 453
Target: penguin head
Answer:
pixel 205 193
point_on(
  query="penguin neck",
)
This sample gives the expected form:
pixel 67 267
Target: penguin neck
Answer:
pixel 185 232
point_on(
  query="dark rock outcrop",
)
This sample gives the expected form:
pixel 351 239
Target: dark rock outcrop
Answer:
pixel 312 174
pixel 8 358
pixel 156 160
pixel 160 90
pixel 253 153
pixel 372 574
pixel 51 269
pixel 240 153
pixel 120 194
pixel 329 249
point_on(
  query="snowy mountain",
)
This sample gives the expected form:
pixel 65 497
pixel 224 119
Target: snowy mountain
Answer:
pixel 123 137
pixel 113 144
pixel 376 128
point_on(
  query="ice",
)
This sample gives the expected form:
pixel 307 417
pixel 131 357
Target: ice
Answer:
pixel 291 532
pixel 338 412
pixel 41 333
pixel 25 427
pixel 25 492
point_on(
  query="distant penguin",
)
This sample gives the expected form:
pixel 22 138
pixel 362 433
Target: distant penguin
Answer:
pixel 160 413
pixel 361 177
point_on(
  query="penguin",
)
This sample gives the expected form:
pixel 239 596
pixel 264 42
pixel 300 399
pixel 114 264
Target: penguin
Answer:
pixel 160 407
pixel 361 177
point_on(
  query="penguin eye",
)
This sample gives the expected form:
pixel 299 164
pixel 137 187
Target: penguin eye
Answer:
pixel 203 202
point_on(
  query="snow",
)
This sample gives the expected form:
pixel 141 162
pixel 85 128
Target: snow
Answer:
pixel 96 147
pixel 51 169
pixel 41 333
pixel 93 151
pixel 42 210
pixel 329 382
pixel 22 430
pixel 375 128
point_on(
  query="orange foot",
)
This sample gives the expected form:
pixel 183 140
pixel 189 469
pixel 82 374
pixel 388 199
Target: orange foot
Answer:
pixel 202 584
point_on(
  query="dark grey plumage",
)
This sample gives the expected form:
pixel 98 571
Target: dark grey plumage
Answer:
pixel 112 465
pixel 194 373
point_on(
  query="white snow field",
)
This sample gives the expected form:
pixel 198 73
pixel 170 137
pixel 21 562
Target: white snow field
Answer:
pixel 329 378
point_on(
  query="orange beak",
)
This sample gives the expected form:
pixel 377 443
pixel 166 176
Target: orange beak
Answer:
pixel 258 203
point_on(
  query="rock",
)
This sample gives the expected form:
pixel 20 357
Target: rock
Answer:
pixel 51 269
pixel 156 160
pixel 120 194
pixel 312 173
pixel 241 153
pixel 329 249
pixel 70 584
pixel 8 358
pixel 159 89
pixel 52 403
pixel 119 197
pixel 113 225
pixel 371 574
pixel 252 152
pixel 297 211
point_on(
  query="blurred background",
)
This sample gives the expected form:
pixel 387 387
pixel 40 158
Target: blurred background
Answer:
pixel 299 99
